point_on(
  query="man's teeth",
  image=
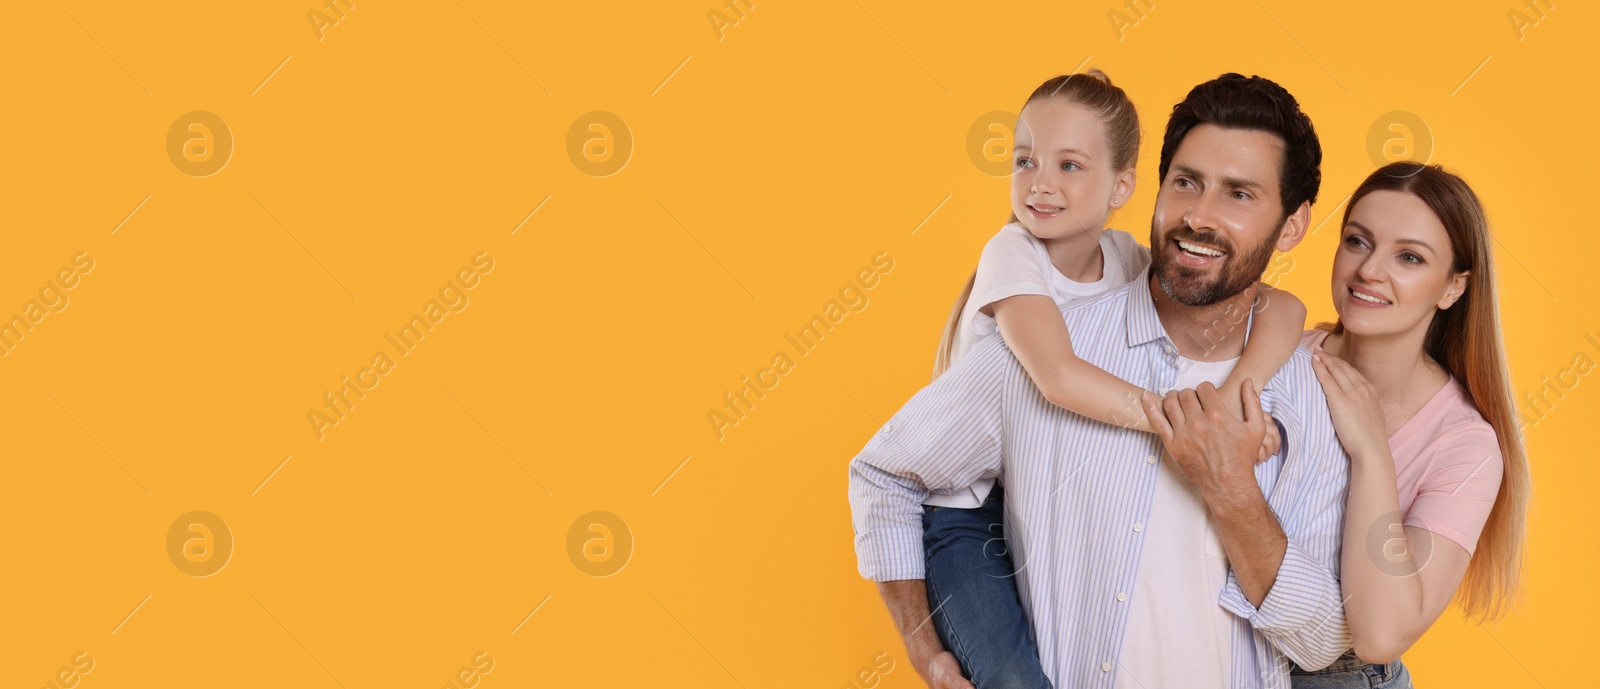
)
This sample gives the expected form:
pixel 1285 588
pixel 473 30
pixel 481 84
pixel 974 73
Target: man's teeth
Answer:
pixel 1367 297
pixel 1197 249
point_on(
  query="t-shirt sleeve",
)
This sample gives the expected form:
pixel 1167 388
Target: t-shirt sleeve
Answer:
pixel 1133 256
pixel 1463 478
pixel 1008 267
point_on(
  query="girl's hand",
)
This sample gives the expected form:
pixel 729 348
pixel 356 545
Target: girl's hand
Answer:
pixel 1270 443
pixel 1357 413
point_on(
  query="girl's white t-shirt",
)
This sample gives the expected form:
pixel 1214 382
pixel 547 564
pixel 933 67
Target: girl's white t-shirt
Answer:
pixel 1015 262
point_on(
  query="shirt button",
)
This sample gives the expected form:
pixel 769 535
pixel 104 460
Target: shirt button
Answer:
pixel 1105 667
pixel 1122 597
pixel 1150 459
pixel 1138 527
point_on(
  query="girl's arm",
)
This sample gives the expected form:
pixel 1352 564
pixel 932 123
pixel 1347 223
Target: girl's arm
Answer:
pixel 1274 334
pixel 1034 330
pixel 1396 579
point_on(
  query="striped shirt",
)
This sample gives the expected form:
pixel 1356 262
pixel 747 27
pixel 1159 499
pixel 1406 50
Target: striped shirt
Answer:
pixel 1076 488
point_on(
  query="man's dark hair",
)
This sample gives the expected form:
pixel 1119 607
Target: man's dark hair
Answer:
pixel 1234 101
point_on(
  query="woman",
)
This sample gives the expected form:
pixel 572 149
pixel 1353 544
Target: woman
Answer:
pixel 1415 376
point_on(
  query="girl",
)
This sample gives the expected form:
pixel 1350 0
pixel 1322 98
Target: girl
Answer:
pixel 1416 379
pixel 1077 140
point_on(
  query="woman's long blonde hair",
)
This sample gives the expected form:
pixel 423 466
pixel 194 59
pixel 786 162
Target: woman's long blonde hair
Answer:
pixel 1092 90
pixel 1465 339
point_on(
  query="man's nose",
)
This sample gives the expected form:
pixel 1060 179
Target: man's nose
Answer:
pixel 1202 214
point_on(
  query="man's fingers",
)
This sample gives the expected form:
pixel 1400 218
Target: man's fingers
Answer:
pixel 1173 408
pixel 1191 404
pixel 944 672
pixel 1252 403
pixel 1209 399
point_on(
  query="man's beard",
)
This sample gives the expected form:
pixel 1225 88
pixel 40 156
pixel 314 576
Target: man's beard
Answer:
pixel 1189 286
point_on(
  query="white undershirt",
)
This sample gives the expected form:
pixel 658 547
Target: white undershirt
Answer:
pixel 1178 634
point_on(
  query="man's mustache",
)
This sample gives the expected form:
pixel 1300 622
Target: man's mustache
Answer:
pixel 1185 233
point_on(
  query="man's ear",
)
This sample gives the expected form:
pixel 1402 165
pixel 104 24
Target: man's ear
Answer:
pixel 1458 287
pixel 1122 188
pixel 1294 227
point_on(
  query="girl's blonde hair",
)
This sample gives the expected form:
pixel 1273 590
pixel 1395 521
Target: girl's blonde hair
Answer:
pixel 1465 340
pixel 1092 90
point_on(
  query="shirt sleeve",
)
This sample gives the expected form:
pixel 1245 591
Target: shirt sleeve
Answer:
pixel 1008 267
pixel 1303 613
pixel 1463 478
pixel 947 436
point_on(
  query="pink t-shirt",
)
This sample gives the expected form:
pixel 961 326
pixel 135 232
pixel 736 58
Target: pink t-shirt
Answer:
pixel 1447 463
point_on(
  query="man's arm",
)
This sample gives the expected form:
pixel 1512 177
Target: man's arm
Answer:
pixel 908 605
pixel 1283 552
pixel 944 438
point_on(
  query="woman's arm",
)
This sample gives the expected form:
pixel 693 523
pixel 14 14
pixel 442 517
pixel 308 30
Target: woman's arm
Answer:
pixel 1035 332
pixel 1397 579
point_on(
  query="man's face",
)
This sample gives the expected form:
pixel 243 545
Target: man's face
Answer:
pixel 1218 214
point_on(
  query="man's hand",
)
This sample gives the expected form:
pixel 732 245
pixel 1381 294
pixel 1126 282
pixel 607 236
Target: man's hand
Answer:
pixel 1214 449
pixel 942 672
pixel 907 600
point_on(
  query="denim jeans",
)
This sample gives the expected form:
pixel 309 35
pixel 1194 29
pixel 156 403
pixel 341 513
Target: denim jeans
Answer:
pixel 973 593
pixel 1350 672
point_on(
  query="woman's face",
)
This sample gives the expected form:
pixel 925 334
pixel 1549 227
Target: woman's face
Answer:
pixel 1392 269
pixel 1062 178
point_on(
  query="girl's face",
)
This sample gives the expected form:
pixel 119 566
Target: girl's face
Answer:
pixel 1063 180
pixel 1393 267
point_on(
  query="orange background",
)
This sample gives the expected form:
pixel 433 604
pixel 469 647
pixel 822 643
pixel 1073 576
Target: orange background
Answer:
pixel 767 160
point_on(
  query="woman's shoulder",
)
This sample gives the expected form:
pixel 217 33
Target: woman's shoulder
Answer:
pixel 1449 428
pixel 1457 414
pixel 1455 451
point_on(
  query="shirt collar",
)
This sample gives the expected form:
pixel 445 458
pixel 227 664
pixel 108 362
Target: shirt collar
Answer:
pixel 1143 324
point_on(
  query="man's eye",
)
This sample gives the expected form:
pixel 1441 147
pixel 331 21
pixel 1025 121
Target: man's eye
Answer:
pixel 1241 195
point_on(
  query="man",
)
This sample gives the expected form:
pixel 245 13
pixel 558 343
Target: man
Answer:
pixel 1203 570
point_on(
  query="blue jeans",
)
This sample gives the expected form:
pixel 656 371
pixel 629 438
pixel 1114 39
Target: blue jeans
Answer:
pixel 1350 672
pixel 973 593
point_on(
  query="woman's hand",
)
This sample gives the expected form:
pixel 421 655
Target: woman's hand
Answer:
pixel 1357 413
